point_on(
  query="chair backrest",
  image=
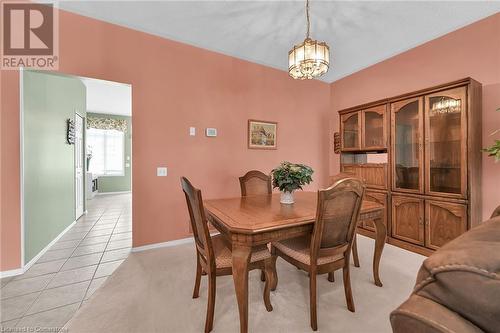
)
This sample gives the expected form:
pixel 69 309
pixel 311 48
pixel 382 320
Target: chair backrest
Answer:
pixel 341 175
pixel 199 222
pixel 255 183
pixel 337 216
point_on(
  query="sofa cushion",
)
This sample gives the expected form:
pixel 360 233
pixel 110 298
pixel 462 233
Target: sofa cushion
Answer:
pixel 421 315
pixel 464 276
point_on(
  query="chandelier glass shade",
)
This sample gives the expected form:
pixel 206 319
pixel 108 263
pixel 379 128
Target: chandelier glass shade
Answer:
pixel 309 59
pixel 446 105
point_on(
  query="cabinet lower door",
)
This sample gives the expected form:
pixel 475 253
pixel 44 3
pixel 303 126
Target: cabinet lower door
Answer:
pixel 444 222
pixel 408 219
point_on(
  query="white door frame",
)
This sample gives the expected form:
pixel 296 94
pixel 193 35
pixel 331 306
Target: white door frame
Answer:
pixel 24 265
pixel 21 157
pixel 78 213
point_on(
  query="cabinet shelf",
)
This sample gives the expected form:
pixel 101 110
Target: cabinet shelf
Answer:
pixel 364 150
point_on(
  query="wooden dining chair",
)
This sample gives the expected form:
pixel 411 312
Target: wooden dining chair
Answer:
pixel 355 257
pixel 329 247
pixel 213 256
pixel 255 182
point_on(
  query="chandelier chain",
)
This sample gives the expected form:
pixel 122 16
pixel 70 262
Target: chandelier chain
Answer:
pixel 308 19
pixel 309 59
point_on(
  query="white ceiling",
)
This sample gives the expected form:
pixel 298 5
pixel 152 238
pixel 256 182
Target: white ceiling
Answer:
pixel 360 33
pixel 108 97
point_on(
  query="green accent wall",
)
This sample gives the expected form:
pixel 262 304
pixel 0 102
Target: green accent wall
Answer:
pixel 118 183
pixel 49 180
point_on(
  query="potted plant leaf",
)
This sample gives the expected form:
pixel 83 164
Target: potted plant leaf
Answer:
pixel 495 149
pixel 289 177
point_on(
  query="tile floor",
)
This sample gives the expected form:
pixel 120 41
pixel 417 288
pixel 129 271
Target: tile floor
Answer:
pixel 67 275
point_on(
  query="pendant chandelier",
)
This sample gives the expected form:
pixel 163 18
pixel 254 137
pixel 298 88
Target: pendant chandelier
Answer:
pixel 309 59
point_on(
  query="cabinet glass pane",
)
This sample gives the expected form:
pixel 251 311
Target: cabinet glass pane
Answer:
pixel 351 132
pixel 374 129
pixel 407 146
pixel 445 152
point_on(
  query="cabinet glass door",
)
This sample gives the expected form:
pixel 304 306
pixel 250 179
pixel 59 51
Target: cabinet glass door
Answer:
pixel 407 143
pixel 445 142
pixel 374 127
pixel 350 131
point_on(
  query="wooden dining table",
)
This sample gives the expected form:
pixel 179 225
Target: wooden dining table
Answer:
pixel 249 221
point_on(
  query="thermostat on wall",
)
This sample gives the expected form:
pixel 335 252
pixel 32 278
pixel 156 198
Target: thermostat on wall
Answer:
pixel 211 131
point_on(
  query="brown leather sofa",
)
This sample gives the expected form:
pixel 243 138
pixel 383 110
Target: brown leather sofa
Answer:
pixel 457 287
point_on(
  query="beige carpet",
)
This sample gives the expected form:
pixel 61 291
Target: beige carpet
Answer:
pixel 151 292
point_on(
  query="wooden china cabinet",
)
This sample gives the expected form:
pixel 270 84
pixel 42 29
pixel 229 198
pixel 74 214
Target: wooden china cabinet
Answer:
pixel 427 148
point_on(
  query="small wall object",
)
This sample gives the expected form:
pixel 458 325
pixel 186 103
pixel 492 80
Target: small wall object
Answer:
pixel 262 134
pixel 211 132
pixel 70 131
pixel 336 142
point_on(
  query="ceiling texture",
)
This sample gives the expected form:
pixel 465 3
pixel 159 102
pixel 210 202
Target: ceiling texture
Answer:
pixel 359 33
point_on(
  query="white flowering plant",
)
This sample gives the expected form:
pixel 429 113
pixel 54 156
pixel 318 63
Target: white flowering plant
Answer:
pixel 289 177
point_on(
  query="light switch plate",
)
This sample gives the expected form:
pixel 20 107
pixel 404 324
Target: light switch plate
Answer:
pixel 192 131
pixel 161 171
pixel 211 132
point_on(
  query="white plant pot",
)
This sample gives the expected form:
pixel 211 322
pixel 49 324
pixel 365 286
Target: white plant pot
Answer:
pixel 287 198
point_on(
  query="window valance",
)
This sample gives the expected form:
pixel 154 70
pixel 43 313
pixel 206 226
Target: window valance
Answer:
pixel 107 123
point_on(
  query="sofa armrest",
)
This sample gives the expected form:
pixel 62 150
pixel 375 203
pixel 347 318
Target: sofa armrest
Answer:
pixel 422 315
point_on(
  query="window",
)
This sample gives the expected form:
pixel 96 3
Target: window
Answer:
pixel 107 148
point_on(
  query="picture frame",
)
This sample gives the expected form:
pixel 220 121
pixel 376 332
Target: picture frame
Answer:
pixel 262 134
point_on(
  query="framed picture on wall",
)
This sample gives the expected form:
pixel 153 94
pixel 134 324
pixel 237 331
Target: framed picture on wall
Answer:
pixel 262 134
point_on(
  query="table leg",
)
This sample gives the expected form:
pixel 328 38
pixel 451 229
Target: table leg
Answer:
pixel 241 259
pixel 380 237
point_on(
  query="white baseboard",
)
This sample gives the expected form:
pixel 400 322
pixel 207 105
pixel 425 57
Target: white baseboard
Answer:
pixel 21 270
pixel 168 244
pixel 12 272
pixel 46 248
pixel 164 244
pixel 119 192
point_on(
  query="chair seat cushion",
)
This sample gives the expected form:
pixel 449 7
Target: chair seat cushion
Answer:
pixel 299 249
pixel 223 256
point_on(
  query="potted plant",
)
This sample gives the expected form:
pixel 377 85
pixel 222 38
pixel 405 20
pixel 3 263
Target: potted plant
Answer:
pixel 495 149
pixel 289 177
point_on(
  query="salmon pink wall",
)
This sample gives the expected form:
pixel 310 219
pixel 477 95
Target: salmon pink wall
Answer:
pixel 10 213
pixel 175 86
pixel 473 51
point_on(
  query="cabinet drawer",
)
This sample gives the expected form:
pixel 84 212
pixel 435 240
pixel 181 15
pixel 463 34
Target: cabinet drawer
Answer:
pixel 373 174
